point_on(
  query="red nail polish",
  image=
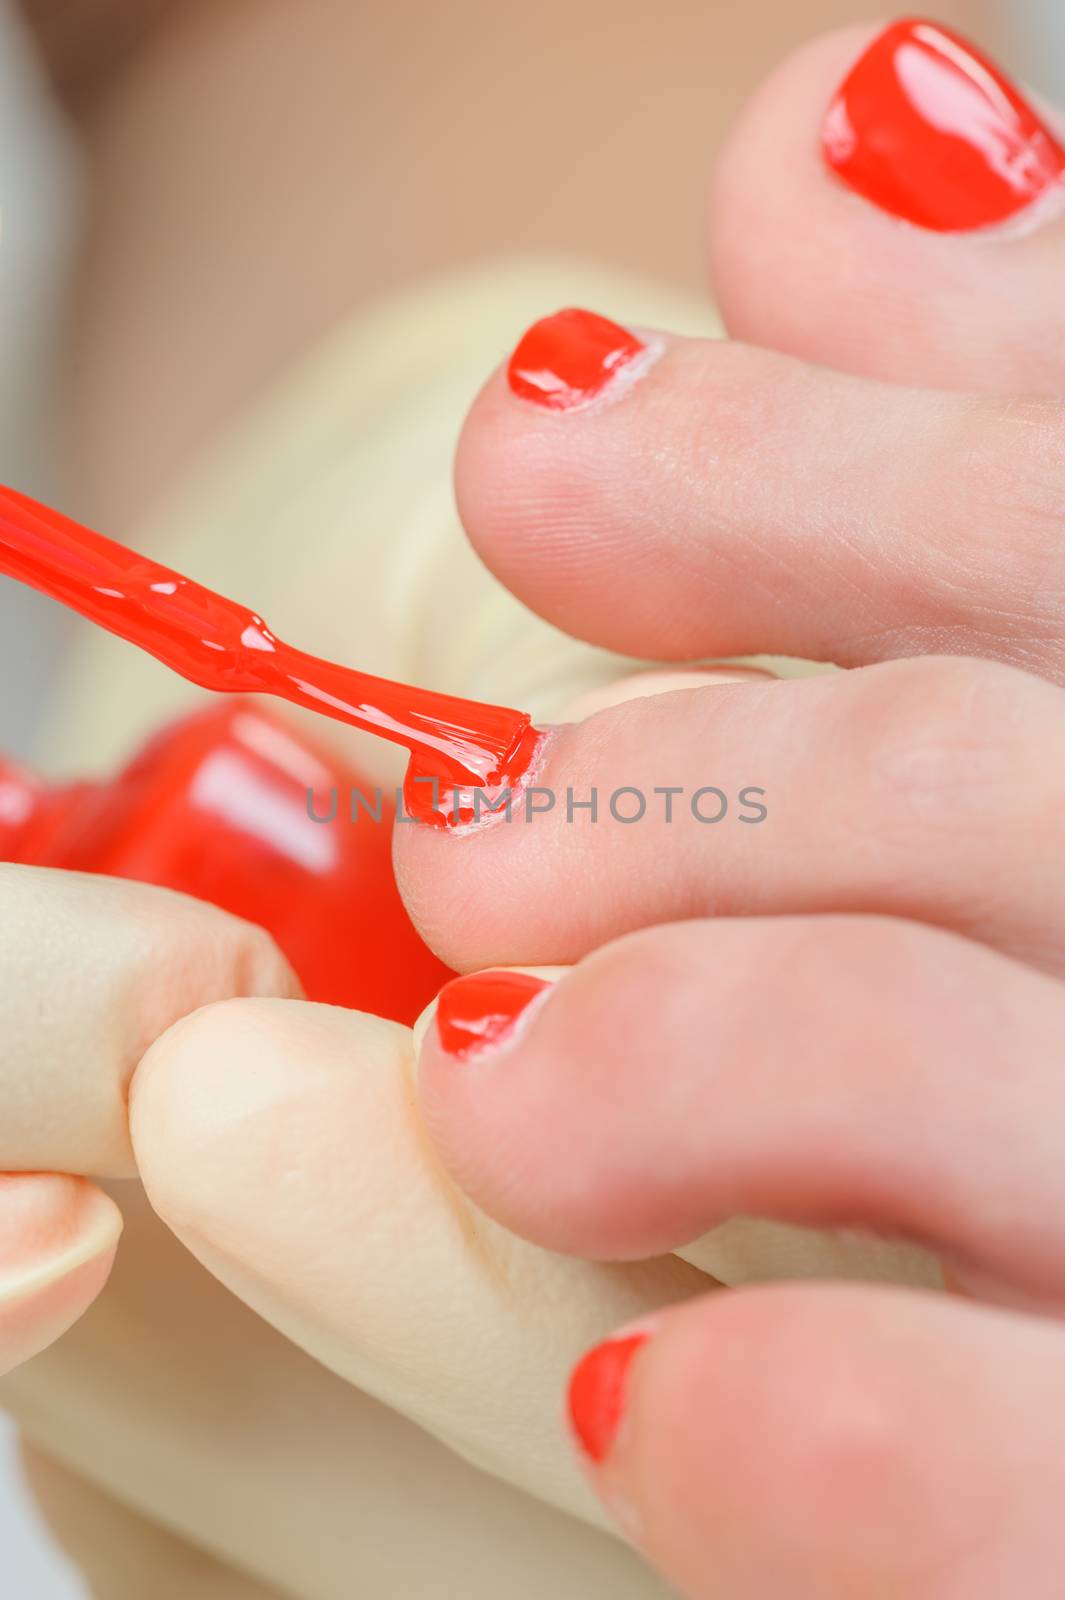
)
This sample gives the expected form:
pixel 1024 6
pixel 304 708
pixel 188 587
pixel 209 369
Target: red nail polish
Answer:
pixel 454 744
pixel 597 1393
pixel 476 1012
pixel 927 128
pixel 569 358
pixel 217 806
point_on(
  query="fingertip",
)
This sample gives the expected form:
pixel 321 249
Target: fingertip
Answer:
pixel 245 1119
pixel 55 1214
pixel 199 1100
pixel 128 959
pixel 58 1239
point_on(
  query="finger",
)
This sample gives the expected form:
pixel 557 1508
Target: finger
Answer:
pixel 929 790
pixel 877 159
pixel 829 1071
pixel 277 1465
pixel 831 1442
pixel 93 970
pixel 713 499
pixel 58 1238
pixel 282 1145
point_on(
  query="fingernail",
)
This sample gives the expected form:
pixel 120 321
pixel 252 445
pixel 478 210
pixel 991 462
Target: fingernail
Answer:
pixel 927 128
pixel 478 1012
pixel 598 1390
pixel 570 358
pixel 37 1277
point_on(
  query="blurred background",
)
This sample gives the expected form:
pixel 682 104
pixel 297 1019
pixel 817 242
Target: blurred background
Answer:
pixel 193 192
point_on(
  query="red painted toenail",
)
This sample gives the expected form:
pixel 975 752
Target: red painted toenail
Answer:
pixel 477 1011
pixel 597 1393
pixel 927 128
pixel 569 358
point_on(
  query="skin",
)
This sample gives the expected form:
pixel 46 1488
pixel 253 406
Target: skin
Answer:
pixel 106 944
pixel 187 288
pixel 58 1237
pixel 768 1439
pixel 945 923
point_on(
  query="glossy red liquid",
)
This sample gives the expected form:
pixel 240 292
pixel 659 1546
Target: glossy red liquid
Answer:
pixel 597 1393
pixel 929 129
pixel 479 1010
pixel 454 744
pixel 219 806
pixel 567 359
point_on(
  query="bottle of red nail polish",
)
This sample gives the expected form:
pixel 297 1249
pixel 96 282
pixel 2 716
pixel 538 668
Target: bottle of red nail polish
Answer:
pixel 222 805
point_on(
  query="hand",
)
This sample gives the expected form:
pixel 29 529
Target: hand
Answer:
pixel 92 970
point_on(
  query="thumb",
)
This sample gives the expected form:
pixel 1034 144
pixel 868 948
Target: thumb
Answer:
pixel 282 1144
